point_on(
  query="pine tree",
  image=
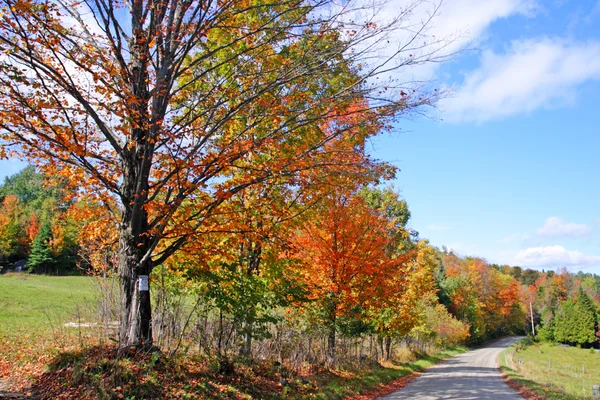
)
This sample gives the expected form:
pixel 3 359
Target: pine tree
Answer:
pixel 40 255
pixel 587 304
pixel 575 323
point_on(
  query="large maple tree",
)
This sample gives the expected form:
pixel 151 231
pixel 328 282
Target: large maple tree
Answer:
pixel 164 109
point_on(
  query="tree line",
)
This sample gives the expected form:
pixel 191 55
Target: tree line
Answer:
pixel 343 266
pixel 37 229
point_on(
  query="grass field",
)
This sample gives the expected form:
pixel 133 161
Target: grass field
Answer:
pixel 554 371
pixel 34 303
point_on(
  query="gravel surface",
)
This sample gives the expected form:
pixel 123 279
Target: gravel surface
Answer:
pixel 472 375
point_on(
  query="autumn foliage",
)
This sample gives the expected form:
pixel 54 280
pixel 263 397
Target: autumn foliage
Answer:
pixel 488 299
pixel 36 225
pixel 168 111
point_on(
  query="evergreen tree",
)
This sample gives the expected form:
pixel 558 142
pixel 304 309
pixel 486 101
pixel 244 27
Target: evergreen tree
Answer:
pixel 575 323
pixel 40 255
pixel 442 292
pixel 546 333
pixel 587 304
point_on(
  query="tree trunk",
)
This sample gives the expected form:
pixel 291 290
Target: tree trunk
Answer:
pixel 254 251
pixel 135 262
pixel 220 341
pixel 332 311
pixel 135 327
pixel 134 265
pixel 136 314
pixel 388 348
pixel 246 349
pixel 330 356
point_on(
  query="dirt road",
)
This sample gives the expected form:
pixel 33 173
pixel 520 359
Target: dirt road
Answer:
pixel 472 375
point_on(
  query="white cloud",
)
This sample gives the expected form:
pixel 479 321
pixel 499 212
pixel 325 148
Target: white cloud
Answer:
pixel 556 226
pixel 466 21
pixel 473 17
pixel 455 24
pixel 554 256
pixel 531 74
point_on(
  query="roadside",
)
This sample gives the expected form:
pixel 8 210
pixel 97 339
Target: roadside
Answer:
pixel 548 371
pixel 97 372
pixel 526 388
pixel 43 354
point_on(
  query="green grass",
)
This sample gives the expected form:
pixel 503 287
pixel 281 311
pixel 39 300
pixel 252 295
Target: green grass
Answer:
pixel 37 303
pixel 553 371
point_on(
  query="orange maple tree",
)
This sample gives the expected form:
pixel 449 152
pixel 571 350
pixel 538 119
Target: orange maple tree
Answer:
pixel 342 249
pixel 397 306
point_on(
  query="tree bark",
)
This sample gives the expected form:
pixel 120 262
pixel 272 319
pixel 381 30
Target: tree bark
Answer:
pixel 332 311
pixel 220 341
pixel 246 349
pixel 135 328
pixel 254 251
pixel 330 355
pixel 388 348
pixel 134 264
pixel 136 312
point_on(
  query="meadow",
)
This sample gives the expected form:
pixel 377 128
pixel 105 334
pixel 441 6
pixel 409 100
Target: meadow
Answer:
pixel 35 303
pixel 553 370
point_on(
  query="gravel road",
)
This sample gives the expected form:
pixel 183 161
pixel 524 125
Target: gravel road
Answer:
pixel 472 375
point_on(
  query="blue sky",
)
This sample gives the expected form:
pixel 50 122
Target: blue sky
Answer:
pixel 508 167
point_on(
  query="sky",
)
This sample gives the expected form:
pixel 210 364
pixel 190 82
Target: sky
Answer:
pixel 506 167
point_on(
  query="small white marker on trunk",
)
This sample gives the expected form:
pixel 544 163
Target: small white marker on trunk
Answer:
pixel 143 282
